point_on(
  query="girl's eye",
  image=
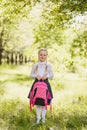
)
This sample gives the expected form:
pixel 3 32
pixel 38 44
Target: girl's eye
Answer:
pixel 42 55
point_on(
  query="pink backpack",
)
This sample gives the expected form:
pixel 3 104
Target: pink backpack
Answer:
pixel 39 92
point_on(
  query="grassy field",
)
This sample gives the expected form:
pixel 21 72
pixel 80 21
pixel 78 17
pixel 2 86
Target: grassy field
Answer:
pixel 69 103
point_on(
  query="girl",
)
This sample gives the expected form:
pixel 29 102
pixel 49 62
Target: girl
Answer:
pixel 41 71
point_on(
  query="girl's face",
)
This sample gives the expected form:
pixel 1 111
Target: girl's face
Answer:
pixel 42 56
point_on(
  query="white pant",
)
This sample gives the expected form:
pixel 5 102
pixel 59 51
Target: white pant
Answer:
pixel 40 111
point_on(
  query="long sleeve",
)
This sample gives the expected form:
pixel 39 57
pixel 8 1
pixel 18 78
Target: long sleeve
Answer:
pixel 50 72
pixel 33 73
pixel 41 68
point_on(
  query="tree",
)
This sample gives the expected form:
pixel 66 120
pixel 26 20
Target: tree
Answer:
pixel 55 17
pixel 49 20
pixel 9 15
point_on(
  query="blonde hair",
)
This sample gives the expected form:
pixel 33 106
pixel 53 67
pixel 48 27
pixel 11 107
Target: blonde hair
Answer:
pixel 46 69
pixel 42 49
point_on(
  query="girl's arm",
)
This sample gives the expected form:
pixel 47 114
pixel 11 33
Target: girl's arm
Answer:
pixel 50 72
pixel 33 73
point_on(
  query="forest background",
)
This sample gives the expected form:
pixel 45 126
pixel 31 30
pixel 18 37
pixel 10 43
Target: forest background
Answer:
pixel 61 27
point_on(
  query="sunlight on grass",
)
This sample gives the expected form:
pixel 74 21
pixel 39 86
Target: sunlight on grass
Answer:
pixel 16 70
pixel 4 77
pixel 71 92
pixel 15 82
pixel 69 102
pixel 16 91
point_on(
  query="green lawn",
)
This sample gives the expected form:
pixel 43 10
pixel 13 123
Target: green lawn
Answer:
pixel 69 103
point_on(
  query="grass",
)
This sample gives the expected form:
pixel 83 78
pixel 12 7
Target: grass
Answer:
pixel 69 103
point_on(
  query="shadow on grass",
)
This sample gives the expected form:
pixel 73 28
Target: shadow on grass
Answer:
pixel 17 78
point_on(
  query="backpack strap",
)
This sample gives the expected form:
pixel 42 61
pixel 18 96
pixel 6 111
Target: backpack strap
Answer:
pixel 51 107
pixel 31 100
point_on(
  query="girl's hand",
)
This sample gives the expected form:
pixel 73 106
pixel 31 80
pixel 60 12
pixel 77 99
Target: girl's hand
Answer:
pixel 38 77
pixel 44 77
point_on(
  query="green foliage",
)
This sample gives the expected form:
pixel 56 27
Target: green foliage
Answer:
pixel 11 14
pixel 12 9
pixel 79 46
pixel 31 24
pixel 70 5
pixel 51 25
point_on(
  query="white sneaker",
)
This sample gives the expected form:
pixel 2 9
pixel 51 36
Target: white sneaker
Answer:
pixel 38 121
pixel 43 120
